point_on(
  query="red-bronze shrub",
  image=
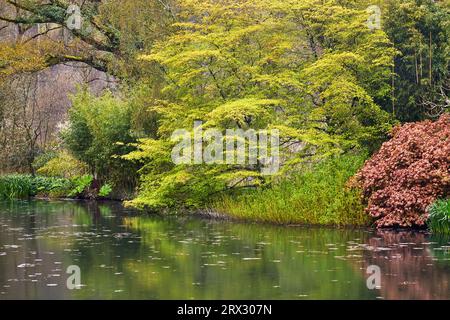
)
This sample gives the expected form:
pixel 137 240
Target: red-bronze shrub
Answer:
pixel 408 174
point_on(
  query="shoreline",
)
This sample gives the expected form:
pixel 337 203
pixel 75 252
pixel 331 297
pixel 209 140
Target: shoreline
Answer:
pixel 214 215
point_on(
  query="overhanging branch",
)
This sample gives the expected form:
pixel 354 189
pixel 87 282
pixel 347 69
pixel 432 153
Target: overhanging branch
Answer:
pixel 91 61
pixel 101 37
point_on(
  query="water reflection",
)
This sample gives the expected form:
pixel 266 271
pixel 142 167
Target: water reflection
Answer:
pixel 414 265
pixel 123 255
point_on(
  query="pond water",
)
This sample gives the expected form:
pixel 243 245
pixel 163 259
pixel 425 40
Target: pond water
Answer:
pixel 124 255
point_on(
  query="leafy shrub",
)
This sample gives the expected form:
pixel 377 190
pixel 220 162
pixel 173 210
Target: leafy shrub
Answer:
pixel 23 186
pixel 42 159
pixel 409 173
pixel 63 165
pixel 105 190
pixel 20 186
pixel 99 133
pixel 439 219
pixel 81 185
pixel 61 189
pixel 51 187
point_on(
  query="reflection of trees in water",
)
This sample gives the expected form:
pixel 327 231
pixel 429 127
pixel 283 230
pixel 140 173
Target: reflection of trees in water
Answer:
pixel 125 255
pixel 217 260
pixel 408 272
pixel 54 231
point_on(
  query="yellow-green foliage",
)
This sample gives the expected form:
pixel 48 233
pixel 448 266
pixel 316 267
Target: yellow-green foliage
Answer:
pixel 307 68
pixel 64 165
pixel 19 58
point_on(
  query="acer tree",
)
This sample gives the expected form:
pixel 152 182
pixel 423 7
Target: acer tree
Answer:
pixel 408 174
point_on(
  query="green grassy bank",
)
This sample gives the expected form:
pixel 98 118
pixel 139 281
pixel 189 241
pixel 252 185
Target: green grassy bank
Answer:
pixel 21 186
pixel 317 195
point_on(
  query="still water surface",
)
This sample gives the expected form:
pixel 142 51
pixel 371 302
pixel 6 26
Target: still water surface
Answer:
pixel 123 255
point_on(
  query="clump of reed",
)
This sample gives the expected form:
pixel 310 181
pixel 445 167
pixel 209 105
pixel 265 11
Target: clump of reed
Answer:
pixel 318 195
pixel 439 219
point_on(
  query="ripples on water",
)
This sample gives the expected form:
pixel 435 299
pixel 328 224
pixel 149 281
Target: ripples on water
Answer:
pixel 126 256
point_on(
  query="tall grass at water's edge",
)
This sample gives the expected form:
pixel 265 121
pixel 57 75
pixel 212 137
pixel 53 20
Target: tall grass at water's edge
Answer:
pixel 22 186
pixel 16 186
pixel 439 219
pixel 19 186
pixel 317 196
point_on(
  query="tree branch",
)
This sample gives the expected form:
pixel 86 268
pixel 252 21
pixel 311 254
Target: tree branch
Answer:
pixel 99 36
pixel 91 61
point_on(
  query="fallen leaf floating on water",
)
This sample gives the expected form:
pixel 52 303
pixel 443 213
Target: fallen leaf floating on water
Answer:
pixel 11 246
pixel 26 265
